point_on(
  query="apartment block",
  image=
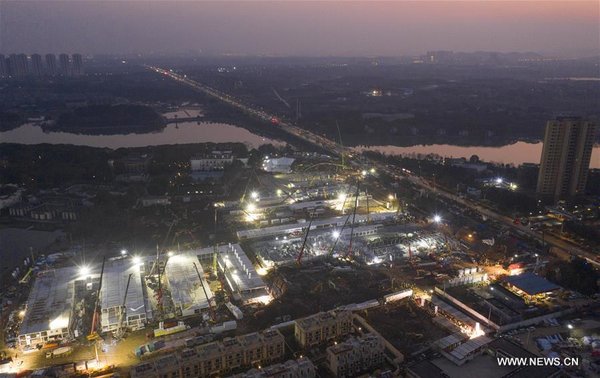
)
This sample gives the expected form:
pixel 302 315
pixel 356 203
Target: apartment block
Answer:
pixel 300 368
pixel 322 327
pixel 355 356
pixel 565 161
pixel 217 358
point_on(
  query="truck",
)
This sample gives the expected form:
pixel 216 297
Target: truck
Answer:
pixel 59 352
pixel 149 348
pixel 169 328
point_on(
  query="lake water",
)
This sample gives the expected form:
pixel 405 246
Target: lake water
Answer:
pixel 16 244
pixel 516 153
pixel 185 132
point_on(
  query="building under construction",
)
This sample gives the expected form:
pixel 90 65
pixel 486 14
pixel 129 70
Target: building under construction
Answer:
pixel 122 296
pixel 48 316
pixel 185 279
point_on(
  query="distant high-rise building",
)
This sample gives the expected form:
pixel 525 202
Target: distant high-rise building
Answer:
pixel 37 68
pixel 22 66
pixel 3 68
pixel 51 64
pixel 77 64
pixel 64 65
pixel 17 65
pixel 568 143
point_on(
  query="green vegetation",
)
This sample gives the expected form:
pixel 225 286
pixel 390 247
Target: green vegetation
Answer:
pixel 9 120
pixel 576 274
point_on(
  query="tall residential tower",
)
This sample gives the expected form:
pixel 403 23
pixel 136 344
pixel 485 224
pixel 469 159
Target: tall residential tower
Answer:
pixel 568 143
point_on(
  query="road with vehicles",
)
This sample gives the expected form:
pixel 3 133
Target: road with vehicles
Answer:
pixel 397 173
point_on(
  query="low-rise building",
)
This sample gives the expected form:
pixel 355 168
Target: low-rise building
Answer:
pixel 217 358
pixel 300 368
pixel 321 327
pixel 355 355
pixel 49 308
pixel 189 290
pixel 115 282
pixel 213 161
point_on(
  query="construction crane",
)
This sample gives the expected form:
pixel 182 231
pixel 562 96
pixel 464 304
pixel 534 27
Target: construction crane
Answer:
pixel 353 220
pixel 120 330
pixel 341 144
pixel 93 334
pixel 301 253
pixel 345 222
pixel 210 304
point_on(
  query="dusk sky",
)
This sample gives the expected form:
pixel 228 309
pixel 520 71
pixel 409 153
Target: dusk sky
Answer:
pixel 563 28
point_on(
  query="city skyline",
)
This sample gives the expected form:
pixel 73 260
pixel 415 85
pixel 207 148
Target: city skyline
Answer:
pixel 293 28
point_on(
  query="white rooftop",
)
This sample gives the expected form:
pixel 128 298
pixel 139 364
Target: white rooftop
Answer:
pixel 317 223
pixel 114 283
pixel 50 301
pixel 239 269
pixel 186 290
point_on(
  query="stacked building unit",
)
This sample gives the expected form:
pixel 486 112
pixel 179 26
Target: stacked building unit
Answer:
pixel 189 290
pixel 49 308
pixel 114 290
pixel 217 358
pixel 241 276
pixel 322 327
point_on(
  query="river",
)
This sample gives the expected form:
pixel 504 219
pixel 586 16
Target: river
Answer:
pixel 516 153
pixel 185 132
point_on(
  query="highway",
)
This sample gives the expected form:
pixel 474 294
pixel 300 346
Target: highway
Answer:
pixel 396 173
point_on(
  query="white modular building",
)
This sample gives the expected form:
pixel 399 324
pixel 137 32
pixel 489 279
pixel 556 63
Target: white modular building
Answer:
pixel 186 284
pixel 135 313
pixel 48 315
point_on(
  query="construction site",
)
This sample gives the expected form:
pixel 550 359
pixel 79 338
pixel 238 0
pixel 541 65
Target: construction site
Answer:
pixel 302 243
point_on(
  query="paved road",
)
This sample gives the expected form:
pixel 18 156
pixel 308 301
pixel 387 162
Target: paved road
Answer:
pixel 397 173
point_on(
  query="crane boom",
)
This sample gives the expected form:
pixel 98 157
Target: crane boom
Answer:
pixel 93 334
pixel 123 308
pixel 301 253
pixel 353 219
pixel 210 305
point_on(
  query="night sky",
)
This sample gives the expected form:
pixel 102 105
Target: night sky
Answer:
pixel 560 28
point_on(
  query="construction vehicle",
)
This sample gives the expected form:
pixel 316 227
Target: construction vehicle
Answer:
pixel 169 328
pixel 93 333
pixel 59 352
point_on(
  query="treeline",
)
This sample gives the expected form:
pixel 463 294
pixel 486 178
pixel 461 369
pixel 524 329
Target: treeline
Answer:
pixel 110 119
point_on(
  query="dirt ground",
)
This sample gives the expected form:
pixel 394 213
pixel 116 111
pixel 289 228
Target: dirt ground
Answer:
pixel 405 325
pixel 320 286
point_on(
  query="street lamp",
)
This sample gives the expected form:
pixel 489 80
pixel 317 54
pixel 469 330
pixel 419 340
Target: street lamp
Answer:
pixel 570 326
pixel 123 252
pixel 335 234
pixel 254 195
pixel 137 260
pixel 437 218
pixel 499 180
pixel 84 271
